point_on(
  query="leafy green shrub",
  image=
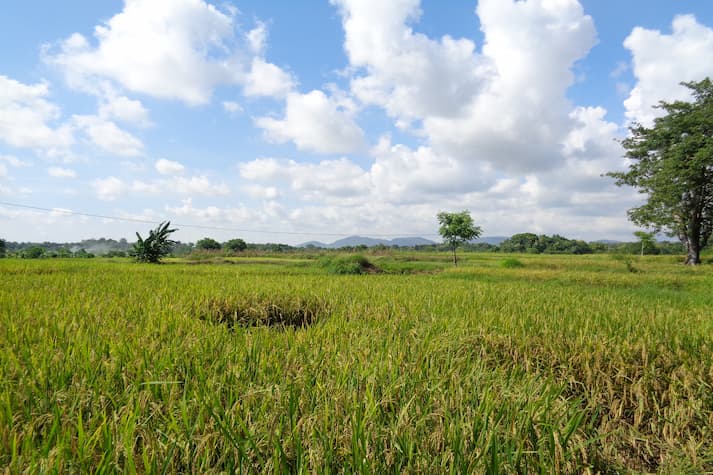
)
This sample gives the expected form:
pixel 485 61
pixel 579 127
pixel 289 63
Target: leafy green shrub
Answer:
pixel 353 264
pixel 34 252
pixel 511 263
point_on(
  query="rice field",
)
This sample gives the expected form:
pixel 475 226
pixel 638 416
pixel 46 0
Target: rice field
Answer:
pixel 562 364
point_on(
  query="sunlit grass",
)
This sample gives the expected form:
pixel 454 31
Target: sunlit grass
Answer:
pixel 567 364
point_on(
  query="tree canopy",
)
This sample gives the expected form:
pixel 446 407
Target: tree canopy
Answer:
pixel 208 244
pixel 672 163
pixel 543 244
pixel 235 245
pixel 456 229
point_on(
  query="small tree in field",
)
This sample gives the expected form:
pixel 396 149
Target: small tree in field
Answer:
pixel 456 229
pixel 235 245
pixel 646 239
pixel 208 244
pixel 156 246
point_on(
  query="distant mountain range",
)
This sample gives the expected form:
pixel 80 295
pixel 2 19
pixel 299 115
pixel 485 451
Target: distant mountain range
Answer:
pixel 353 241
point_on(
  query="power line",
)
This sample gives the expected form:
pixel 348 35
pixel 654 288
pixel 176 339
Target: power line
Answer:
pixel 196 226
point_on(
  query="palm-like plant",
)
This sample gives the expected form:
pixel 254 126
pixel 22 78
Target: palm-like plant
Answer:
pixel 155 246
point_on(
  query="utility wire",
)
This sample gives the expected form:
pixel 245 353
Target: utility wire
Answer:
pixel 196 226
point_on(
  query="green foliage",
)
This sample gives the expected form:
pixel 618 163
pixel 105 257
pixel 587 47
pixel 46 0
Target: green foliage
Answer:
pixel 83 254
pixel 35 252
pixel 235 245
pixel 648 243
pixel 672 164
pixel 511 263
pixel 352 264
pixel 457 229
pixel 543 244
pixel 115 254
pixel 208 244
pixel 156 246
pixel 2 248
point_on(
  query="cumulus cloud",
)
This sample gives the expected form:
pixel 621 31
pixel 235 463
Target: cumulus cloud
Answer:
pixel 661 61
pixel 59 172
pixel 315 122
pixel 169 167
pixel 505 105
pixel 171 49
pixel 404 71
pixel 27 117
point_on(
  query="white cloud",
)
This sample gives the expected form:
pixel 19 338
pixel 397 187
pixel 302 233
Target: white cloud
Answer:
pixel 262 192
pixel 59 172
pixel 200 185
pixel 169 167
pixel 161 47
pixel 171 49
pixel 124 109
pixel 214 214
pixel 266 79
pixel 315 122
pixel 26 117
pixel 335 179
pixel 106 135
pixel 403 71
pixel 108 189
pixel 13 161
pixel 232 107
pixel 3 170
pixel 662 61
pixel 257 38
pixel 518 122
pixel 506 106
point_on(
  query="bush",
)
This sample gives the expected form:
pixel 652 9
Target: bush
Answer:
pixel 511 263
pixel 354 264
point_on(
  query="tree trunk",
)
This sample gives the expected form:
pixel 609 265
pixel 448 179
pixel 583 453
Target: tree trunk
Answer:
pixel 693 250
pixel 455 258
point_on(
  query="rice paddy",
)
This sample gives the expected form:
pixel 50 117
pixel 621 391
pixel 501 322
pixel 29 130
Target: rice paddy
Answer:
pixel 551 364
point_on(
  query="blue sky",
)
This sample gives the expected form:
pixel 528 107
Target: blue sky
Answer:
pixel 292 121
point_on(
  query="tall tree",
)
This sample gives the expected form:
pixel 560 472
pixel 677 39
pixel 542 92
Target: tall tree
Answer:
pixel 456 229
pixel 672 163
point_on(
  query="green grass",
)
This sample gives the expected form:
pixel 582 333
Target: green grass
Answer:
pixel 568 364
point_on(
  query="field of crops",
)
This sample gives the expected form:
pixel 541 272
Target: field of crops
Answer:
pixel 563 365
